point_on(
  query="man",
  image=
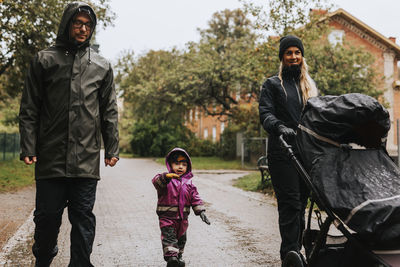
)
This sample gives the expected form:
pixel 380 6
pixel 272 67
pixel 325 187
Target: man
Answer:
pixel 68 102
pixel 281 102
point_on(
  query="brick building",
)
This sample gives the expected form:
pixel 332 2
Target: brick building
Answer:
pixel 386 53
pixel 344 25
pixel 205 126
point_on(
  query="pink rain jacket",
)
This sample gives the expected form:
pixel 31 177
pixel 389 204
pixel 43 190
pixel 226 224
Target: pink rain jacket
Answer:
pixel 175 197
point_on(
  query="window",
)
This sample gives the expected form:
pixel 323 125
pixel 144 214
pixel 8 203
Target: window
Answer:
pixel 214 133
pixel 222 127
pixel 205 133
pixel 336 37
pixel 190 115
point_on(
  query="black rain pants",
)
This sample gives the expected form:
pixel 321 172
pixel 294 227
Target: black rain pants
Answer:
pixel 173 246
pixel 52 196
pixel 291 193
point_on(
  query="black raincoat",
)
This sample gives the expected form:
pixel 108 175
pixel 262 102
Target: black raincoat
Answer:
pixel 68 103
pixel 279 108
pixel 282 105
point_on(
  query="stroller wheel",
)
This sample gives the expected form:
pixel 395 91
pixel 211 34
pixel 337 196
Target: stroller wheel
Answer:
pixel 293 259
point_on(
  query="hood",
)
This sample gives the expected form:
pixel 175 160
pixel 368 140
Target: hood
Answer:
pixel 188 173
pixel 63 30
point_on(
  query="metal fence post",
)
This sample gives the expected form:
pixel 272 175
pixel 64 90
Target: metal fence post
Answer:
pixel 4 146
pixel 14 144
pixel 398 143
pixel 242 153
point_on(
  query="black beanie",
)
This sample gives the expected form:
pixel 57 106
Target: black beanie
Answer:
pixel 289 41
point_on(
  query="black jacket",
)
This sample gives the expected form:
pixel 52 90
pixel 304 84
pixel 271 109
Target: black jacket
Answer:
pixel 279 108
pixel 68 102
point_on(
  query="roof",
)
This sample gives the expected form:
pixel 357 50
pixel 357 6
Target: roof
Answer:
pixel 366 29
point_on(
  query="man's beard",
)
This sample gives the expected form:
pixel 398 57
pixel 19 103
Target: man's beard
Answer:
pixel 292 71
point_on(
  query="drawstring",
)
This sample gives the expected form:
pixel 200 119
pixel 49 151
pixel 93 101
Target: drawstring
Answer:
pixel 90 61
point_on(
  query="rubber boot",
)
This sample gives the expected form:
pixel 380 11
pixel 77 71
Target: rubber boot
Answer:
pixel 43 263
pixel 173 262
pixel 181 261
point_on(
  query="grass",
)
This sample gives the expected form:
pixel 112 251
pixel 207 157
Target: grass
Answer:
pixel 211 163
pixel 125 155
pixel 8 155
pixel 14 174
pixel 252 182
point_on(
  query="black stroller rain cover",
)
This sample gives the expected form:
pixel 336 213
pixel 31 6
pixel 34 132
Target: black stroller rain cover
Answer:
pixel 361 186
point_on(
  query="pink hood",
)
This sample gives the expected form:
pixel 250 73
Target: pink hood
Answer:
pixel 188 173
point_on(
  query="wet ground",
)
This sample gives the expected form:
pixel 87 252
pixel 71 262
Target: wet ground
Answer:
pixel 243 230
pixel 15 207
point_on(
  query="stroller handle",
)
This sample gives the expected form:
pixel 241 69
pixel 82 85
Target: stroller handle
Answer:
pixel 286 146
pixel 282 140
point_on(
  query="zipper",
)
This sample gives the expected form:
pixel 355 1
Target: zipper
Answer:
pixel 179 198
pixel 297 90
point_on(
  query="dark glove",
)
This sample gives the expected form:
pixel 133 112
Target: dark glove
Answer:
pixel 204 217
pixel 286 132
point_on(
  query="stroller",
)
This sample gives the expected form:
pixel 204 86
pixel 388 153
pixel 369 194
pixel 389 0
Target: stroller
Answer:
pixel 358 189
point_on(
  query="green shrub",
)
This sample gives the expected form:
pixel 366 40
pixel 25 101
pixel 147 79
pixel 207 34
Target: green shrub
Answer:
pixel 252 182
pixel 202 148
pixel 15 174
pixel 156 139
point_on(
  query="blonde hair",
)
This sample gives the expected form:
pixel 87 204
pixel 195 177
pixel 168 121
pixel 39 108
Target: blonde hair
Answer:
pixel 307 85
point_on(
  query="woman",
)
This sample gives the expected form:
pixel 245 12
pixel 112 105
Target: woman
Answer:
pixel 281 102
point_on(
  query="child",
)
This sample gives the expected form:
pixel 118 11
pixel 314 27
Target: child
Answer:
pixel 176 193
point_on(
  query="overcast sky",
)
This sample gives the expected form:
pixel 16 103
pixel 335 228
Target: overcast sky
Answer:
pixel 142 25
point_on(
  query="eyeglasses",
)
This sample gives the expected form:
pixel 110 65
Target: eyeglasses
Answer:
pixel 78 24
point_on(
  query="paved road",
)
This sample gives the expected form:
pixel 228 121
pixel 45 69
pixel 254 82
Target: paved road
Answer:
pixel 243 231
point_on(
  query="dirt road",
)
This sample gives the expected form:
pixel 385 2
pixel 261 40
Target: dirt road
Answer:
pixel 243 230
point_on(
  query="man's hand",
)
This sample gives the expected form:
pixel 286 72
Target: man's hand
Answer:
pixel 172 176
pixel 30 160
pixel 110 162
pixel 204 218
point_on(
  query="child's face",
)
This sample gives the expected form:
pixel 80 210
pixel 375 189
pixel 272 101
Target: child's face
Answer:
pixel 179 168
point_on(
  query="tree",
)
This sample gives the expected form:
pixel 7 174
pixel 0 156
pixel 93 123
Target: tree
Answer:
pixel 221 65
pixel 152 86
pixel 27 27
pixel 156 101
pixel 344 69
pixel 285 16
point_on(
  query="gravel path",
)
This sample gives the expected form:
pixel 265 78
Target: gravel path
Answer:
pixel 15 207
